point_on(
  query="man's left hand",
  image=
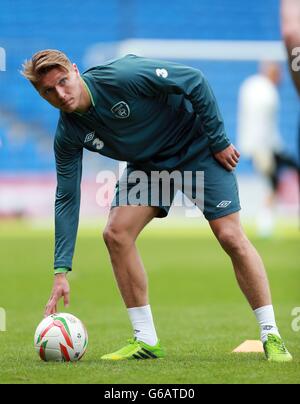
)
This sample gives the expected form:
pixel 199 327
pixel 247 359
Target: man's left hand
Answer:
pixel 228 158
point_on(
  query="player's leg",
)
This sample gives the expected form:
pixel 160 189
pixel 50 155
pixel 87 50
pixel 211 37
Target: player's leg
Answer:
pixel 247 263
pixel 124 225
pixel 286 160
pixel 253 281
pixel 221 207
pixel 266 167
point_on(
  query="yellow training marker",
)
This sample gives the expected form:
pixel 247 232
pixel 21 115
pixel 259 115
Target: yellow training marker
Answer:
pixel 250 347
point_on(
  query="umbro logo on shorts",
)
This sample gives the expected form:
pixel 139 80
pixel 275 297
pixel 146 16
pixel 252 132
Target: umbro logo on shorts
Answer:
pixel 224 204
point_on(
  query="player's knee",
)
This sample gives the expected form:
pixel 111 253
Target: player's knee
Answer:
pixel 116 237
pixel 233 241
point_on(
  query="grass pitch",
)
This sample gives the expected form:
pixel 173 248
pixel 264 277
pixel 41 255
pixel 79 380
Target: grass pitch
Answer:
pixel 200 314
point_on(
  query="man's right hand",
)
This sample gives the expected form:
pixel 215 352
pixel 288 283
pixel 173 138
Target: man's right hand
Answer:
pixel 228 158
pixel 60 289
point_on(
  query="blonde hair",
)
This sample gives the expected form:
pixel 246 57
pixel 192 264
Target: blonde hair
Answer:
pixel 44 61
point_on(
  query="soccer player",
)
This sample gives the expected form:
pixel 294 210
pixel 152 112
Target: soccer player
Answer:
pixel 155 115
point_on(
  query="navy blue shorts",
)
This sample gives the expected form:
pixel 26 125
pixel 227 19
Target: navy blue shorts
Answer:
pixel 209 186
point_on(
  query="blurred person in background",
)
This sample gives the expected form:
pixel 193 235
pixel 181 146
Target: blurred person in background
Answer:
pixel 259 136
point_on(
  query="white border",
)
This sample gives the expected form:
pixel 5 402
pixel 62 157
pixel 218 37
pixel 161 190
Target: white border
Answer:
pixel 256 51
pixel 209 50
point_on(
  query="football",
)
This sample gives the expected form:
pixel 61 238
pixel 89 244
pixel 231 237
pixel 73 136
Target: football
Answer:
pixel 61 338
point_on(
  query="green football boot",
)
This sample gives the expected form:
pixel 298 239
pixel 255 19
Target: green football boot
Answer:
pixel 275 350
pixel 136 350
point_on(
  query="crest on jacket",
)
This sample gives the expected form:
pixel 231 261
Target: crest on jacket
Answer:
pixel 121 110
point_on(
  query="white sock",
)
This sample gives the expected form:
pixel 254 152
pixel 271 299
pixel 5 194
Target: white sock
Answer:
pixel 266 319
pixel 143 325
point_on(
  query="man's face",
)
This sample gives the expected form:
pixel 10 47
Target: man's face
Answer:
pixel 61 88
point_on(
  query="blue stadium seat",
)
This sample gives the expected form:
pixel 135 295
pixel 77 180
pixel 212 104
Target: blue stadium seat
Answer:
pixel 32 25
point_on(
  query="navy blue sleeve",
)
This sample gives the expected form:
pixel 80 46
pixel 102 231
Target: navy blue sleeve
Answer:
pixel 67 204
pixel 150 77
